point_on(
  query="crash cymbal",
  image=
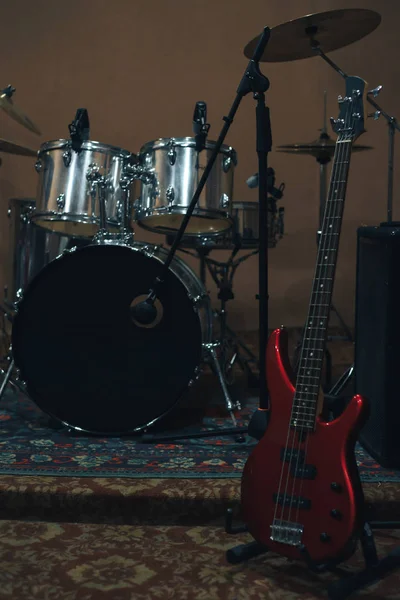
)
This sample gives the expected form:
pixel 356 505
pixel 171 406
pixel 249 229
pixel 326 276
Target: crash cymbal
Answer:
pixel 11 148
pixel 330 30
pixel 318 147
pixel 14 112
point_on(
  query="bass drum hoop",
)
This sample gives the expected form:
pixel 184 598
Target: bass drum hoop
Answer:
pixel 179 269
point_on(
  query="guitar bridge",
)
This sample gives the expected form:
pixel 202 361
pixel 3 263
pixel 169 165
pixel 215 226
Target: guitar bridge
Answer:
pixel 286 532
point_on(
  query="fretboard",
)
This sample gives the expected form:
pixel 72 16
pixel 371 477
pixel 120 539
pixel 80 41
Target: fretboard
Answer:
pixel 314 339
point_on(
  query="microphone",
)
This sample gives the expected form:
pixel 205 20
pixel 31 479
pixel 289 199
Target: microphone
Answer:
pixel 200 127
pixel 79 129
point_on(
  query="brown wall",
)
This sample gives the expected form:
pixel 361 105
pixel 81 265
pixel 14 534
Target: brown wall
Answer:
pixel 139 68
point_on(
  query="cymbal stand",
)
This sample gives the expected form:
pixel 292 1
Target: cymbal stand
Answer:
pixel 255 83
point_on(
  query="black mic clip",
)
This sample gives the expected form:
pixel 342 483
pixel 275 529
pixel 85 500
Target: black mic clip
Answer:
pixel 79 129
pixel 200 127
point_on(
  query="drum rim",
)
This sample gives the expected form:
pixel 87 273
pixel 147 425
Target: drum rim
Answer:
pixel 185 142
pixel 87 145
pixel 208 214
pixel 53 216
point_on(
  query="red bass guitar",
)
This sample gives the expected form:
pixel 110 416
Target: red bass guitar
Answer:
pixel 301 494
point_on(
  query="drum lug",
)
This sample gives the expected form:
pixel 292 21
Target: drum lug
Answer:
pixel 196 300
pixel 19 295
pixel 38 166
pixel 67 157
pixel 196 375
pixel 69 250
pixel 171 152
pixel 170 194
pixel 229 159
pixel 60 201
pixel 224 201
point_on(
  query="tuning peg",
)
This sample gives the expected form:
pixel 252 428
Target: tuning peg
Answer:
pixel 376 91
pixel 375 115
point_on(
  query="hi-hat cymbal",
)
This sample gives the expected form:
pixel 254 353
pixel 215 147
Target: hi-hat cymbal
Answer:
pixel 11 148
pixel 14 112
pixel 330 30
pixel 317 148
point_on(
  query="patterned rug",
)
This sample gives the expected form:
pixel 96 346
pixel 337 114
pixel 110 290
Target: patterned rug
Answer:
pixel 29 446
pixel 135 562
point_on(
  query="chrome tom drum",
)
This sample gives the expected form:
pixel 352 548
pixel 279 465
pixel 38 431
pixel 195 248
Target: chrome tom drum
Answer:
pixel 67 202
pixel 84 359
pixel 176 168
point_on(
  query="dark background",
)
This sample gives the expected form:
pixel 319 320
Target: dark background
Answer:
pixel 139 68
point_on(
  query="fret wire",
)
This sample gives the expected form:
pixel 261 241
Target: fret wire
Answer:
pixel 313 347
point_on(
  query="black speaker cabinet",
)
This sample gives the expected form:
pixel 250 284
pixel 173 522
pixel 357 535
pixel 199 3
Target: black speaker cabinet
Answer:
pixel 377 340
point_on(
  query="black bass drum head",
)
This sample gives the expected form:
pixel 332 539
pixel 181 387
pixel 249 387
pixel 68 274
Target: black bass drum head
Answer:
pixel 85 361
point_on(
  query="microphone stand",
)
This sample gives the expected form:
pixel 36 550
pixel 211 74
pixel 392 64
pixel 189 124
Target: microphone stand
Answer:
pixel 253 81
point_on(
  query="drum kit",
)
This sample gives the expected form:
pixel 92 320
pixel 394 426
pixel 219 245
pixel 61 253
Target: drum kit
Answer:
pixel 80 288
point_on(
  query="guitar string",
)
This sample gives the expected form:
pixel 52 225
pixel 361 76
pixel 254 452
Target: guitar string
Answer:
pixel 291 433
pixel 328 206
pixel 337 210
pixel 306 348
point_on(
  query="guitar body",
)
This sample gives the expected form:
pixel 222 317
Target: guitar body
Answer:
pixel 333 485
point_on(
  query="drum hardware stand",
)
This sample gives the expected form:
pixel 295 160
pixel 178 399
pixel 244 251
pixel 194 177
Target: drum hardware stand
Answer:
pixel 215 363
pixel 98 182
pixel 223 280
pixel 253 81
pixel 222 274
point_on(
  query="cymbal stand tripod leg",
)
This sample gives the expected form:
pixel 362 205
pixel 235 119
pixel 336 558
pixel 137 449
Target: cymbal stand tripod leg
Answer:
pixel 7 378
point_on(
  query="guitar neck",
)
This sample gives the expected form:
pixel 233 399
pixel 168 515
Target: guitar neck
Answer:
pixel 314 339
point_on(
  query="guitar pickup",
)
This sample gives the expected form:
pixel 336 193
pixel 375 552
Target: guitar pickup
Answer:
pixel 304 471
pixel 292 501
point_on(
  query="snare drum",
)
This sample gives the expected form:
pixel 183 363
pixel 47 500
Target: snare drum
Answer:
pixel 67 202
pixel 176 167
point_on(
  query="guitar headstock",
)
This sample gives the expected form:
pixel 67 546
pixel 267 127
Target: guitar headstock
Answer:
pixel 350 123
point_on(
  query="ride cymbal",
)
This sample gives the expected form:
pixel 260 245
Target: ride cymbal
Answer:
pixel 14 112
pixel 11 148
pixel 294 40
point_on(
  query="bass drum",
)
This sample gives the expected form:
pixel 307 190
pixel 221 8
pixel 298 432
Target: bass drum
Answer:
pixel 85 361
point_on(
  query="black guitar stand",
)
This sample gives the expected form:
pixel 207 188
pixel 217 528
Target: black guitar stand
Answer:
pixel 375 569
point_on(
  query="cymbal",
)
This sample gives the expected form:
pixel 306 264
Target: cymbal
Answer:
pixel 11 148
pixel 14 112
pixel 331 30
pixel 317 148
